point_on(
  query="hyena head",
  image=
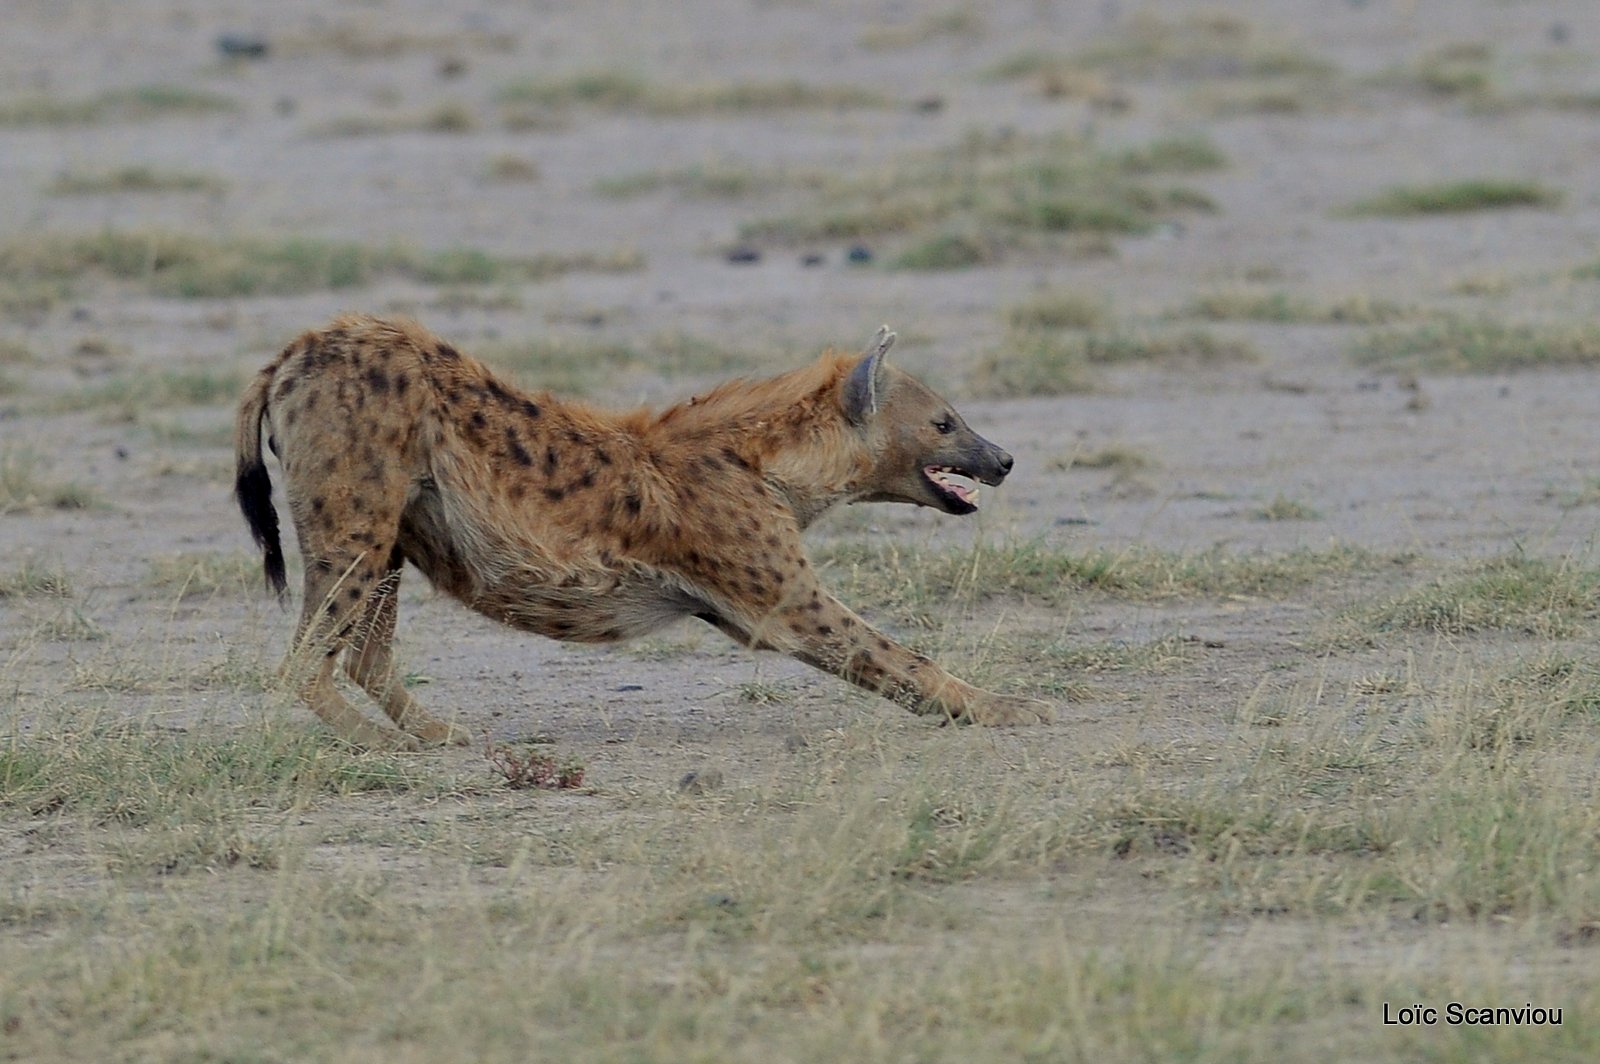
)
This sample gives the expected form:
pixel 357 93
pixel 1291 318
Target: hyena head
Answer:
pixel 917 442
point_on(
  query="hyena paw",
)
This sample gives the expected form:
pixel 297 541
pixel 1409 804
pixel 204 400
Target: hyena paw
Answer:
pixel 1007 711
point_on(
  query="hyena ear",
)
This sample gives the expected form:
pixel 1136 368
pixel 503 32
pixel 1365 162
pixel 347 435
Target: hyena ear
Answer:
pixel 866 382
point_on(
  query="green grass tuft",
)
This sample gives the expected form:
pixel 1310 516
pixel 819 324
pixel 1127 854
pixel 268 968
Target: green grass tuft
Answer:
pixel 1480 345
pixel 1454 197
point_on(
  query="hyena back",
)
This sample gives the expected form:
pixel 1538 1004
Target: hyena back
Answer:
pixel 581 524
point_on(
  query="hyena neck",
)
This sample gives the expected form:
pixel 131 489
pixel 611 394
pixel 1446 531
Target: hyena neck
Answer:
pixel 791 428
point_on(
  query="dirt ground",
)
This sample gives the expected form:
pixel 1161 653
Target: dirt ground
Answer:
pixel 385 123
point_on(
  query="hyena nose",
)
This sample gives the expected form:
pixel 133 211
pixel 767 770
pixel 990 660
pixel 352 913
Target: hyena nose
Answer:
pixel 1005 462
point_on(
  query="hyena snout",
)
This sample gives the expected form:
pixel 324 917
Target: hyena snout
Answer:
pixel 998 465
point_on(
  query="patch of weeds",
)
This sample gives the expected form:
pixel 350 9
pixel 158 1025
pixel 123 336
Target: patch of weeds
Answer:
pixel 1282 508
pixel 1288 308
pixel 914 580
pixel 1058 77
pixel 610 90
pixel 138 392
pixel 1480 345
pixel 174 264
pixel 1202 47
pixel 1514 593
pixel 962 23
pixel 33 579
pixel 533 769
pixel 710 180
pixel 1053 363
pixel 1454 197
pixel 185 848
pixel 946 251
pixel 968 203
pixel 451 117
pixel 1116 458
pixel 1458 71
pixel 23 487
pixel 561 365
pixel 71 625
pixel 121 105
pixel 759 693
pixel 134 179
pixel 1174 155
pixel 193 574
pixel 1058 310
pixel 142 774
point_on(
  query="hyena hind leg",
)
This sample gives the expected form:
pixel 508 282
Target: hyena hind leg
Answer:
pixel 336 590
pixel 370 663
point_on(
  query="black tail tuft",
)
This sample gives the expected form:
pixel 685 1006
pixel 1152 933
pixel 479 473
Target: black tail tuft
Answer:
pixel 253 489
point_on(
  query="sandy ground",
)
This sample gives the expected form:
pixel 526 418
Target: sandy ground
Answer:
pixel 1440 466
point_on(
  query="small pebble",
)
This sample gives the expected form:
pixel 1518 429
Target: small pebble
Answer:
pixel 630 687
pixel 814 258
pixel 743 255
pixel 241 46
pixel 859 253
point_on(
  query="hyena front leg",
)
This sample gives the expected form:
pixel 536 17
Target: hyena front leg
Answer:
pixel 370 663
pixel 821 631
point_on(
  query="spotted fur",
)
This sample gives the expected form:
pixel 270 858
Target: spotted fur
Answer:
pixel 581 524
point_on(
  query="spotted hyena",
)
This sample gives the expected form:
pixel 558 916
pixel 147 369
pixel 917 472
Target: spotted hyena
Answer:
pixel 582 524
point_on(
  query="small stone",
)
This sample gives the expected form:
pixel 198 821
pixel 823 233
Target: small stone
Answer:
pixel 859 253
pixel 241 46
pixel 743 255
pixel 630 687
pixel 928 105
pixel 795 742
pixel 700 781
pixel 813 258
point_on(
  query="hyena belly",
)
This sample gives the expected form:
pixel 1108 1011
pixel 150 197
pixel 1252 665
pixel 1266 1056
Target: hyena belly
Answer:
pixel 519 583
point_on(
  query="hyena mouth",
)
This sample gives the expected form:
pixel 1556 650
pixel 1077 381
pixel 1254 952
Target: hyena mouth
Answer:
pixel 957 496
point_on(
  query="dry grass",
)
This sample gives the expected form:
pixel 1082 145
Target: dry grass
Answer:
pixel 1454 197
pixel 970 203
pixel 190 266
pixel 958 23
pixel 124 105
pixel 1480 345
pixel 127 179
pixel 25 487
pixel 616 91
pixel 1050 362
pixel 1287 308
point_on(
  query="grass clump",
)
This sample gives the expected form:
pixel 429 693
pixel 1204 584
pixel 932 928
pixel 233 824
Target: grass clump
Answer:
pixel 135 393
pixel 186 266
pixel 1514 593
pixel 197 574
pixel 1049 362
pixel 710 180
pixel 613 91
pixel 1287 308
pixel 920 581
pixel 1282 508
pixel 1201 47
pixel 121 105
pixel 1454 197
pixel 139 775
pixel 1174 155
pixel 968 203
pixel 23 487
pixel 134 179
pixel 959 23
pixel 1058 310
pixel 33 579
pixel 1480 345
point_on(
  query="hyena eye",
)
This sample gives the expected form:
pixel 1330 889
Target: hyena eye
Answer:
pixel 946 425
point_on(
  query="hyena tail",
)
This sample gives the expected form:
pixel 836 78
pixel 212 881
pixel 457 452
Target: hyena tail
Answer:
pixel 252 487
